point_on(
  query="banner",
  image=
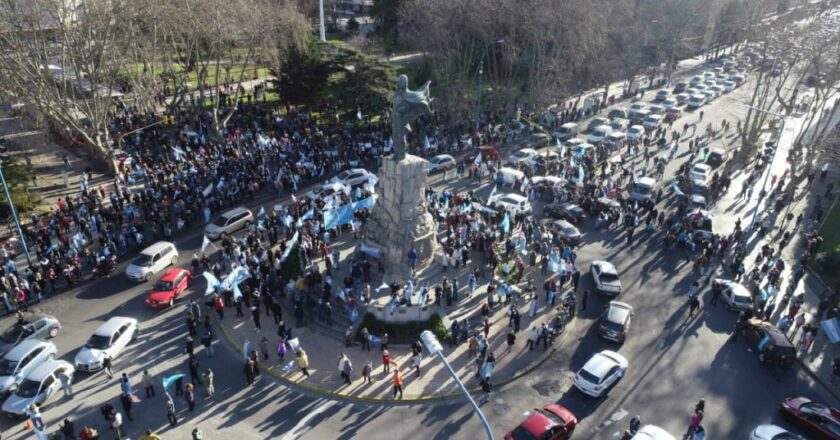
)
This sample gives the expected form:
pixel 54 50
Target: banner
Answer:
pixel 213 284
pixel 344 214
pixel 289 248
pixel 831 327
pixel 236 276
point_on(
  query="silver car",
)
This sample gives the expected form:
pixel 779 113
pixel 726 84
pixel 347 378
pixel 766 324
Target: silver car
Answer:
pixel 22 360
pixel 34 326
pixel 228 223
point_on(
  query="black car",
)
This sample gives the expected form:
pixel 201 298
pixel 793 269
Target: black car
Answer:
pixel 772 344
pixel 680 87
pixel 565 211
pixel 564 230
pixel 615 322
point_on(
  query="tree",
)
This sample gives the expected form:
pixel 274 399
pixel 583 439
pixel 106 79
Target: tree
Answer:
pixel 386 14
pixel 364 81
pixel 304 75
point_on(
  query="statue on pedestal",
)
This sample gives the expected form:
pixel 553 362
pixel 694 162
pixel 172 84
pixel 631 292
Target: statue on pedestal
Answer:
pixel 408 105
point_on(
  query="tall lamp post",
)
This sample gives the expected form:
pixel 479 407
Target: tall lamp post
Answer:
pixel 480 80
pixel 768 172
pixel 321 30
pixel 431 342
pixel 14 215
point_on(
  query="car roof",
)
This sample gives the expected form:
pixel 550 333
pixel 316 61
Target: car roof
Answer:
pixel 171 273
pixel 513 196
pixel 600 363
pixel 569 125
pixel 525 150
pixel 646 181
pixel 650 432
pixel 605 266
pixel 24 348
pixel 778 337
pixel 235 211
pixel 618 311
pixel 442 156
pixel 110 326
pixel 157 247
pixel 45 369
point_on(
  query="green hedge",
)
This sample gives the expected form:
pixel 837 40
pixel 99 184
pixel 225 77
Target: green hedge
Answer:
pixel 404 333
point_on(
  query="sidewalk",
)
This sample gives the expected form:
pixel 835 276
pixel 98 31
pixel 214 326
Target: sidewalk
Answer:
pixel 435 383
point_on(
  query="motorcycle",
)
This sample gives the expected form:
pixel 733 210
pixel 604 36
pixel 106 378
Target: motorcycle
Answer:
pixel 104 267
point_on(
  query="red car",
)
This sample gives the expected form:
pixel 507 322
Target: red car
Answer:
pixel 553 422
pixel 820 421
pixel 174 282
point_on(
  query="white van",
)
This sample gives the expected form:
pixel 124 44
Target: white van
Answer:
pixel 615 140
pixel 642 188
pixel 511 202
pixel 567 130
pixel 152 260
pixel 599 134
pixel 509 176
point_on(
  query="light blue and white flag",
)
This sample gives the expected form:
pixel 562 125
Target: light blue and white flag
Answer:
pixel 291 246
pixel 204 243
pixel 506 223
pixel 676 188
pixel 359 114
pixel 426 143
pixel 169 380
pixel 213 284
pixel 262 212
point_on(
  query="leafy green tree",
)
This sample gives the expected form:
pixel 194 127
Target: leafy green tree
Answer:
pixel 386 14
pixel 364 81
pixel 304 75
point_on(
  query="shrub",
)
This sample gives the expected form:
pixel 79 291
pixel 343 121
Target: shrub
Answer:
pixel 404 333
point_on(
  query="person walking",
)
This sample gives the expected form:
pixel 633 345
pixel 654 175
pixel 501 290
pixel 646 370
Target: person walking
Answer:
pixel 511 339
pixel 366 371
pixel 398 383
pixel 345 367
pixel 584 298
pixel 66 383
pixel 386 361
pixel 303 362
pixel 696 419
pixel 195 376
pixel 106 365
pixel 150 435
pixel 415 362
pixel 116 423
pixel 148 384
pixel 189 396
pixel 486 386
pixel 208 382
pixel 250 370
pixel 207 342
pixel 255 314
pixel 365 335
pixel 170 411
pixel 693 304
pixel 126 403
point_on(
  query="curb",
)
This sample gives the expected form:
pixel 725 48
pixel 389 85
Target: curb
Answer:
pixel 828 387
pixel 335 395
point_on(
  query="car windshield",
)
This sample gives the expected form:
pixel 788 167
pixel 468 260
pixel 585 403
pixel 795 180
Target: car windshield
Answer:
pixel 521 433
pixel 519 154
pixel 28 388
pixel 98 342
pixel 608 277
pixel 553 417
pixel 569 230
pixel 220 221
pixel 7 367
pixel 589 377
pixel 12 333
pixel 162 286
pixel 812 408
pixel 742 299
pixel 344 175
pixel 641 189
pixel 142 260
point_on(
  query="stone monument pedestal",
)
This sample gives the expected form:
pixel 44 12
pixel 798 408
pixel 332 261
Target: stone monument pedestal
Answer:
pixel 399 220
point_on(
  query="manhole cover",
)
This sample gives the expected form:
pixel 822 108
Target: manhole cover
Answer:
pixel 548 387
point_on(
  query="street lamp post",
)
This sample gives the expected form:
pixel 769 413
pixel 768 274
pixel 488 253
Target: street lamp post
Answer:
pixel 480 86
pixel 431 342
pixel 321 29
pixel 768 172
pixel 15 216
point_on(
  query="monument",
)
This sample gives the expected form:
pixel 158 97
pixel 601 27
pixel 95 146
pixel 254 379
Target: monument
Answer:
pixel 399 220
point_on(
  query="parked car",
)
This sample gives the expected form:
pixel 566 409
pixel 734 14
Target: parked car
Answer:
pixel 152 260
pixel 38 387
pixel 566 231
pixel 636 110
pixel 820 421
pixel 110 339
pixel 729 86
pixel 680 87
pixel 662 95
pixel 700 172
pixel 716 157
pixel 539 161
pixel 651 432
pixel 522 155
pixel 511 202
pixel 353 177
pixel 605 276
pixel 441 162
pixel 695 80
pixel 682 98
pixel 326 190
pixel 22 360
pixel 566 211
pixel 672 114
pixel 488 153
pixel 601 372
pixel 33 326
pixel 599 134
pixel 553 422
pixel 734 295
pixel 597 122
pixel 172 284
pixel 615 322
pixel 652 122
pixel 620 112
pixel 537 140
pixel 772 344
pixel 773 432
pixel 566 131
pixel 669 103
pixel 228 223
pixel 696 101
pixel 635 133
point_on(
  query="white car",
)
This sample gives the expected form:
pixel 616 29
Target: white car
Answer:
pixel 511 202
pixel 696 101
pixel 152 260
pixel 729 86
pixel 662 94
pixel 22 360
pixel 635 133
pixel 521 155
pixel 700 172
pixel 326 190
pixel 652 122
pixel 440 162
pixel 695 80
pixel 228 223
pixel 600 373
pixel 735 296
pixel 605 277
pixel 599 134
pixel 773 432
pixel 353 177
pixel 109 339
pixel 650 432
pixel 38 387
pixel 669 103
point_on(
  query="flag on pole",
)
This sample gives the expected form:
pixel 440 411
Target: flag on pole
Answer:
pixel 469 142
pixel 506 223
pixel 294 199
pixel 477 159
pixel 359 114
pixel 581 174
pixel 169 380
pixel 426 143
pixel 676 188
pixel 262 212
pixel 213 284
pixel 205 243
pixel 492 193
pixel 237 295
pixel 246 348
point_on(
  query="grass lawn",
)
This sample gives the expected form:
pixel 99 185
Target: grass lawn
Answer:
pixel 830 233
pixel 192 77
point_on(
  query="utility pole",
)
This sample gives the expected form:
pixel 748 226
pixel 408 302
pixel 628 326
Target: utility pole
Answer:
pixel 321 13
pixel 15 216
